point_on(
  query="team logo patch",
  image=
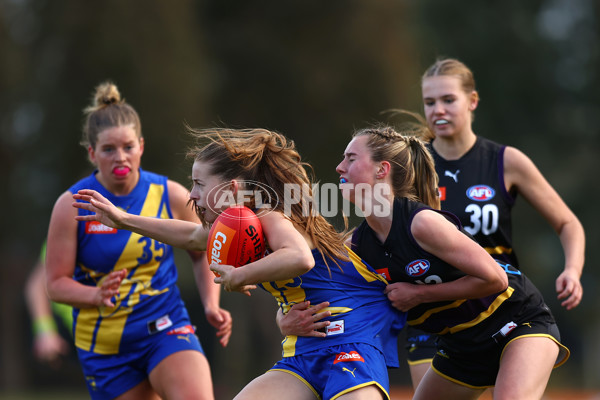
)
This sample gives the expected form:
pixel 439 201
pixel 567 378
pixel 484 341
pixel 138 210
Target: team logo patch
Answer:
pixel 346 357
pixel 417 268
pixel 385 272
pixel 95 227
pixel 480 193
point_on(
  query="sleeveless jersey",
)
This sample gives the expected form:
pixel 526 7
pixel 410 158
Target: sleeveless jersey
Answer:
pixel 148 292
pixel 360 311
pixel 473 189
pixel 401 259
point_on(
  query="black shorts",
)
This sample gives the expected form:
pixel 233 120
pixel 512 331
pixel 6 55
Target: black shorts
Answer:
pixel 420 346
pixel 472 357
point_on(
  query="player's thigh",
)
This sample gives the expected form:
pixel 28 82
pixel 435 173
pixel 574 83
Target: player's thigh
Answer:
pixel 183 375
pixel 276 385
pixel 434 386
pixel 142 391
pixel 371 392
pixel 525 368
pixel 417 372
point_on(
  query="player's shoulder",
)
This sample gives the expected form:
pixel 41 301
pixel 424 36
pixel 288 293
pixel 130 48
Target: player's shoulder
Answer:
pixel 177 187
pixel 516 159
pixel 489 145
pixel 153 177
pixel 86 182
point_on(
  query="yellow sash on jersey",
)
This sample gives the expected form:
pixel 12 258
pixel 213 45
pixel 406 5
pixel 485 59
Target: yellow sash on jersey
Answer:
pixel 112 323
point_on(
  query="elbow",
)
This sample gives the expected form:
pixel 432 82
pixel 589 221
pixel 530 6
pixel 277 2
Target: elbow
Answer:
pixel 501 284
pixel 196 246
pixel 52 292
pixel 198 239
pixel 305 262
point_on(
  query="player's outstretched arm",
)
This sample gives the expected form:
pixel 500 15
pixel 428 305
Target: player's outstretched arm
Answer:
pixel 210 292
pixel 183 234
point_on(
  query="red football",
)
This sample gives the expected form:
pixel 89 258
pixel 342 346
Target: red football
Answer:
pixel 235 238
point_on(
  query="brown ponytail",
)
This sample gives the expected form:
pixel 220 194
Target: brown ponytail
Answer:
pixel 267 157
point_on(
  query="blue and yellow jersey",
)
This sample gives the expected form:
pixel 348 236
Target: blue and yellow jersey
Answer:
pixel 149 287
pixel 360 311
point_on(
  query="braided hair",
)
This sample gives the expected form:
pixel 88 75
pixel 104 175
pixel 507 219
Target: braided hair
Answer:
pixel 413 172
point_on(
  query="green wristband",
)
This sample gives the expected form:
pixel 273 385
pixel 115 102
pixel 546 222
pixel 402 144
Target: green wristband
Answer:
pixel 44 325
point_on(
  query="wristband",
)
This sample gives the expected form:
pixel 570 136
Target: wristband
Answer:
pixel 43 325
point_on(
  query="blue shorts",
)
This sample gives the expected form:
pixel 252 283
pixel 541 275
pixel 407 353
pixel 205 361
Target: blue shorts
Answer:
pixel 108 376
pixel 338 370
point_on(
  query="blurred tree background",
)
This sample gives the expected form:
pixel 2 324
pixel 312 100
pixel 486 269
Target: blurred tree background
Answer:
pixel 314 71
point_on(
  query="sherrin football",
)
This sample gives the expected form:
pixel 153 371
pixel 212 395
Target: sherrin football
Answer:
pixel 235 238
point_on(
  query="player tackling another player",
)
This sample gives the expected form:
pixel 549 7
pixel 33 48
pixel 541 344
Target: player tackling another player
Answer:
pixel 494 328
pixel 307 262
pixel 493 323
pixel 479 181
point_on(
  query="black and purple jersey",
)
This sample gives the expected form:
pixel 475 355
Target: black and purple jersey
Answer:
pixel 473 189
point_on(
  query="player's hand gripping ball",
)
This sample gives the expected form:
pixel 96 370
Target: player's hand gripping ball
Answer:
pixel 235 238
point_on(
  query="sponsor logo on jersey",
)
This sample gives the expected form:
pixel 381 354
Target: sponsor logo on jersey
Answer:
pixel 346 357
pixel 182 330
pixel 185 337
pixel 385 272
pixel 442 193
pixel 417 268
pixel 453 175
pixel 335 328
pixel 95 227
pixel 480 193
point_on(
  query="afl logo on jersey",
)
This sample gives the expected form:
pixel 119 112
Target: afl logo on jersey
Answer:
pixel 417 268
pixel 480 193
